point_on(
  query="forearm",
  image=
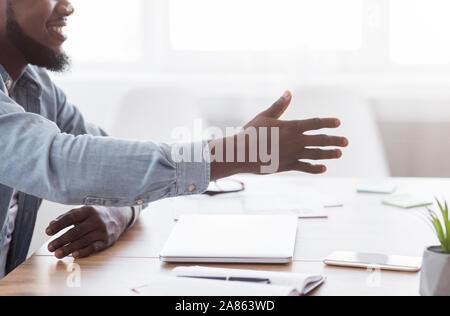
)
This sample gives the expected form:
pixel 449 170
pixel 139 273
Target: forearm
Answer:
pixel 225 160
pixel 220 168
pixel 90 170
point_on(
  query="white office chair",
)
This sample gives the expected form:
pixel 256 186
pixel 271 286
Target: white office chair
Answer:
pixel 152 114
pixel 365 156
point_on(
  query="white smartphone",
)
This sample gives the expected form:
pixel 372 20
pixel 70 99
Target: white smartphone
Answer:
pixel 374 261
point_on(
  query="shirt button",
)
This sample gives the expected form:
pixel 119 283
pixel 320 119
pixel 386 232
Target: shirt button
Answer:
pixel 140 202
pixel 191 188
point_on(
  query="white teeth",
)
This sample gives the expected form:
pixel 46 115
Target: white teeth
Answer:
pixel 57 29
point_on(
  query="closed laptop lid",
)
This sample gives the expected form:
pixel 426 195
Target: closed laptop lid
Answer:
pixel 232 238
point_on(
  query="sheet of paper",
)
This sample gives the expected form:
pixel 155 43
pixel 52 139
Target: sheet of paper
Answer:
pixel 406 201
pixel 303 202
pixel 376 188
pixel 329 201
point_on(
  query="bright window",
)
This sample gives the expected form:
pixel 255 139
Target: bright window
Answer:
pixel 254 25
pixel 345 34
pixel 105 31
pixel 420 31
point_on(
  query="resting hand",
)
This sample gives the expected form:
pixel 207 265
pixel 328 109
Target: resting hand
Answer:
pixel 94 229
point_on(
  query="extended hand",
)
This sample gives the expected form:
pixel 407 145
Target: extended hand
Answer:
pixel 291 144
pixel 95 229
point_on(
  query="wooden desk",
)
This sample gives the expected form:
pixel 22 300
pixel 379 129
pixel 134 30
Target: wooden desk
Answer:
pixel 364 224
pixel 42 275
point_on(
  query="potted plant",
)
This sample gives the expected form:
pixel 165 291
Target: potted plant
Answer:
pixel 435 279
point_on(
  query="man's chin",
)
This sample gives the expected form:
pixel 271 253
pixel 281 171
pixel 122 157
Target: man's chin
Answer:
pixel 57 63
pixel 46 58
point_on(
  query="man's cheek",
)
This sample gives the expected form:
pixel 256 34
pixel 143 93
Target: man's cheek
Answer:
pixel 34 23
pixel 35 31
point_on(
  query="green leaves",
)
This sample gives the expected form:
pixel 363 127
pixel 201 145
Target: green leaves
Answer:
pixel 442 227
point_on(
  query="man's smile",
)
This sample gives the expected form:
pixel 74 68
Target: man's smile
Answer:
pixel 56 29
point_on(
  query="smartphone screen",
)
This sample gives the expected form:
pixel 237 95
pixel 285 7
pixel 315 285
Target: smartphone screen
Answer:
pixel 366 260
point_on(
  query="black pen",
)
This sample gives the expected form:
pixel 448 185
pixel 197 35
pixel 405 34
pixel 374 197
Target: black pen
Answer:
pixel 231 279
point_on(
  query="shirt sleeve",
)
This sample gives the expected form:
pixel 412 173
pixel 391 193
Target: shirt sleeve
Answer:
pixel 40 159
pixel 70 120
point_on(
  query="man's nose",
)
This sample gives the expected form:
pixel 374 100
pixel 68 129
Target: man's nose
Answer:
pixel 64 7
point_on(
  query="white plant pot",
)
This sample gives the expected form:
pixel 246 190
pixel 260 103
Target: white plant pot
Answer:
pixel 435 278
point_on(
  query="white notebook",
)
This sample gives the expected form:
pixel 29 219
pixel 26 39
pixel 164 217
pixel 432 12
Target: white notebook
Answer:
pixel 232 239
pixel 301 283
pixel 173 286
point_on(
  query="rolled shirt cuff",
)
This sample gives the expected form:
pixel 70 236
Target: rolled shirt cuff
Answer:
pixel 136 214
pixel 193 169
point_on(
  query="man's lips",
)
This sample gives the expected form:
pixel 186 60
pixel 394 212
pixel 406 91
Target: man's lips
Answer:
pixel 56 29
pixel 57 32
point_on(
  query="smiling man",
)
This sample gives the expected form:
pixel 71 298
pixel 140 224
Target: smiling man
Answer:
pixel 33 34
pixel 48 151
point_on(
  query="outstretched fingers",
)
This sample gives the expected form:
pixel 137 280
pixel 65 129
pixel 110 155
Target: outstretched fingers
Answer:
pixel 316 124
pixel 309 168
pixel 324 141
pixel 320 154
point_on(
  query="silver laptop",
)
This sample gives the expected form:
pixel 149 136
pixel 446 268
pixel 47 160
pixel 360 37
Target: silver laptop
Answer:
pixel 232 239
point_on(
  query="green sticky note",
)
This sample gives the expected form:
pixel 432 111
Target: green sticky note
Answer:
pixel 406 201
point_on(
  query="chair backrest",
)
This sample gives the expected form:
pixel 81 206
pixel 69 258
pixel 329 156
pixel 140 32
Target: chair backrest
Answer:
pixel 153 113
pixel 365 156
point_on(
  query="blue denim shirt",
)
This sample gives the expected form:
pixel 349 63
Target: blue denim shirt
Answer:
pixel 48 151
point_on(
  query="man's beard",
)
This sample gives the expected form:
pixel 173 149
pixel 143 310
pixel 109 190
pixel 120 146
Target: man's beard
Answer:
pixel 34 52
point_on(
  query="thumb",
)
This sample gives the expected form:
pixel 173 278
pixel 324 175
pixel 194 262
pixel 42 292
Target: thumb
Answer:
pixel 279 107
